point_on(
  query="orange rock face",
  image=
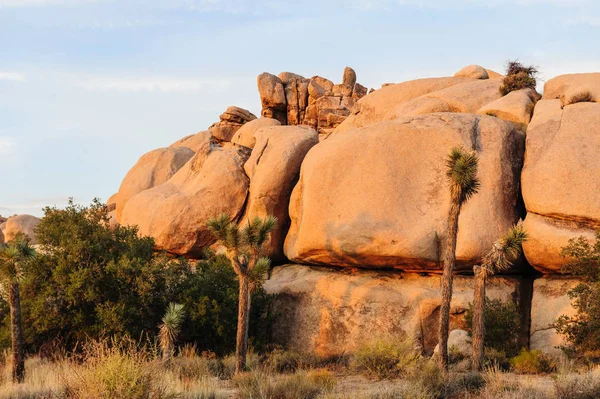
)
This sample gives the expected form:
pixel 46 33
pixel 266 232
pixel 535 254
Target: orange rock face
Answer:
pixel 378 196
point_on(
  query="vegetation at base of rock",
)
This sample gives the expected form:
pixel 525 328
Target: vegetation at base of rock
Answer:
pixel 582 331
pixel 518 76
pixel 532 362
pixel 584 96
pixel 89 281
pixel 385 358
pixel 502 323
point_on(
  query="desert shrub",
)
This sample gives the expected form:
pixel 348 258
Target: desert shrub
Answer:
pixel 282 361
pixel 582 331
pixel 385 358
pixel 582 97
pixel 495 358
pixel 252 363
pixel 502 324
pixel 532 362
pixel 89 281
pixel 115 369
pixel 467 382
pixel 518 77
pixel 578 386
pixel 300 385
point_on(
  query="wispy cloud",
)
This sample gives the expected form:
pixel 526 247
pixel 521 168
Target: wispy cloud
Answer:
pixel 7 145
pixel 43 3
pixel 154 84
pixel 13 76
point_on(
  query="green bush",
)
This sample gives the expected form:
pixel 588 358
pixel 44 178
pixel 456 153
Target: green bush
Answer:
pixel 518 77
pixel 502 325
pixel 89 281
pixel 385 359
pixel 532 362
pixel 582 331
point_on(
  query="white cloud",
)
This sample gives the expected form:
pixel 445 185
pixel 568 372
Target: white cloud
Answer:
pixel 42 3
pixel 7 145
pixel 13 76
pixel 154 84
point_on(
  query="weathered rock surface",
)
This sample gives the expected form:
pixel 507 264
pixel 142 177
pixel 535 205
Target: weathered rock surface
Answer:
pixel 517 106
pixel 230 122
pixel 272 97
pixel 560 178
pixel 245 136
pixel 550 301
pixel 460 341
pixel 152 169
pixel 111 205
pixel 473 71
pixel 378 196
pixel 333 312
pixel 374 107
pixel 175 212
pixel 195 142
pixel 21 224
pixel 273 169
pixel 464 98
pixel 573 88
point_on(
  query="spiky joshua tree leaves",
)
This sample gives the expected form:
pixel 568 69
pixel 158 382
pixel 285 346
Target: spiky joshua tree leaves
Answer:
pixel 13 258
pixel 500 257
pixel 169 329
pixel 461 172
pixel 244 247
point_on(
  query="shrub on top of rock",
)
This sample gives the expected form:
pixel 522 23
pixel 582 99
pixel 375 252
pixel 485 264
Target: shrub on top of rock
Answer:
pixel 518 76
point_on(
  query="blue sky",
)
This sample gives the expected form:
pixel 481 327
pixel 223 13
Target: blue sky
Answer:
pixel 87 86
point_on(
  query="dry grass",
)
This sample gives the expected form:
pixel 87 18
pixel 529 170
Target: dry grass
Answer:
pixel 583 97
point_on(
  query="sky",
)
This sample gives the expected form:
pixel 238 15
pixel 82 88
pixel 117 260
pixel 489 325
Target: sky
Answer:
pixel 88 86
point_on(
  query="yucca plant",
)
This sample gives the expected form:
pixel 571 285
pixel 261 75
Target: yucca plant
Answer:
pixel 461 172
pixel 170 328
pixel 13 257
pixel 500 257
pixel 244 247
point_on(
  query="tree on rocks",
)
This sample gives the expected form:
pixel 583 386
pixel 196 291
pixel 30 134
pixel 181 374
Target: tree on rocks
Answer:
pixel 500 257
pixel 13 258
pixel 244 247
pixel 461 171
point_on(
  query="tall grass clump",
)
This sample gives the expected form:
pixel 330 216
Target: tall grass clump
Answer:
pixel 116 369
pixel 300 385
pixel 578 386
pixel 385 358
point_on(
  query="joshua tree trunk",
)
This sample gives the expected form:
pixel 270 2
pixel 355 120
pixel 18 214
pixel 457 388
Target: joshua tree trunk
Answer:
pixel 18 366
pixel 241 346
pixel 478 317
pixel 447 276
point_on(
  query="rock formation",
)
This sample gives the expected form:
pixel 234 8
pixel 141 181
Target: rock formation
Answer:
pixel 20 224
pixel 357 182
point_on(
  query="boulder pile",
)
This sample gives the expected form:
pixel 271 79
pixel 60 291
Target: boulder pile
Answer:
pixel 357 182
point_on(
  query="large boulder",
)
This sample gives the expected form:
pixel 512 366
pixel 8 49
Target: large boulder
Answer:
pixel 466 98
pixel 273 168
pixel 195 142
pixel 245 136
pixel 175 213
pixel 573 88
pixel 152 169
pixel 460 341
pixel 375 106
pixel 517 106
pixel 272 97
pixel 230 122
pixel 550 301
pixel 334 312
pixel 111 205
pixel 560 179
pixel 378 196
pixel 21 224
pixel 473 71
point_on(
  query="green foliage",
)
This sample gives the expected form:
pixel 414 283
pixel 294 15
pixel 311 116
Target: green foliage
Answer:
pixel 170 328
pixel 15 256
pixel 385 358
pixel 502 324
pixel 518 77
pixel 89 281
pixel 532 362
pixel 461 171
pixel 505 250
pixel 582 331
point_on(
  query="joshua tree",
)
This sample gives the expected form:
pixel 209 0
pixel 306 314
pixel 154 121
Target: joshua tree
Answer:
pixel 244 248
pixel 170 329
pixel 462 177
pixel 12 258
pixel 500 257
